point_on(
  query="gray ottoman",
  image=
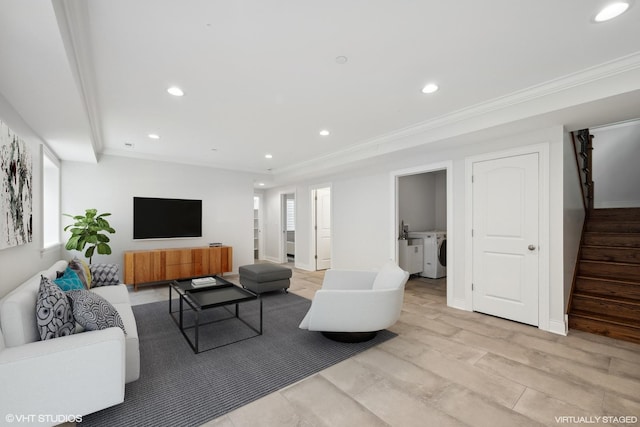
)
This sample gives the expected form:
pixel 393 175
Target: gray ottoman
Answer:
pixel 261 278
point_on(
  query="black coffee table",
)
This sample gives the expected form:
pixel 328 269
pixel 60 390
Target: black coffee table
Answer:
pixel 221 294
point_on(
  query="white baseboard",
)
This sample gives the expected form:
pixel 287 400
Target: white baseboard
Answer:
pixel 305 267
pixel 559 327
pixel 458 303
pixel 272 259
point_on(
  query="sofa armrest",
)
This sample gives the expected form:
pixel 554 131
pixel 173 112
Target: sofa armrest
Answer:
pixel 73 375
pixel 353 311
pixel 104 275
pixel 348 279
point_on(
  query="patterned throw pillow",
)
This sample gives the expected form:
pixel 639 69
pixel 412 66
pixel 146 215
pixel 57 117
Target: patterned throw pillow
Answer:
pixel 93 312
pixel 82 270
pixel 53 311
pixel 69 281
pixel 104 275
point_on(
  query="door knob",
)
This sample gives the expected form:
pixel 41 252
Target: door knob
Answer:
pixel 532 247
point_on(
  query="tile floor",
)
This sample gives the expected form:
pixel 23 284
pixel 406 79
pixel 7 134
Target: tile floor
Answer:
pixel 449 367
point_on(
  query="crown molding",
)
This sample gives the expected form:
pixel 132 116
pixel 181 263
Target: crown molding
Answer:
pixel 478 116
pixel 73 19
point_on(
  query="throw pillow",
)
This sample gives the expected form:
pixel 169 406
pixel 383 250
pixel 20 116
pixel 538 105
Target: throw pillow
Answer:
pixel 82 270
pixel 104 275
pixel 54 316
pixel 69 281
pixel 93 312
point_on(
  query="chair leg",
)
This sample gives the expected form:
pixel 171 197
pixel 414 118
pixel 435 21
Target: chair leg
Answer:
pixel 350 337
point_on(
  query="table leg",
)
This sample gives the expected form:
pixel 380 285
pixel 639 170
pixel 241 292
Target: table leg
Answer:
pixel 197 314
pixel 260 315
pixel 181 311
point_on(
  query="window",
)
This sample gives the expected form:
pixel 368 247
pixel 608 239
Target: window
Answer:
pixel 291 215
pixel 50 199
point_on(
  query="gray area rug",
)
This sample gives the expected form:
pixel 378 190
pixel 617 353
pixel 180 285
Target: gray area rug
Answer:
pixel 180 388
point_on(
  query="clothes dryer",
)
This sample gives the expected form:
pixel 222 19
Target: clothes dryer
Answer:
pixel 435 252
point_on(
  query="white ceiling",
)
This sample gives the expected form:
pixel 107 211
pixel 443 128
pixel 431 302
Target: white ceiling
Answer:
pixel 261 76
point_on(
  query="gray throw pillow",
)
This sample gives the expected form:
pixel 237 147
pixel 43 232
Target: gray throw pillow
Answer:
pixel 53 311
pixel 104 275
pixel 93 312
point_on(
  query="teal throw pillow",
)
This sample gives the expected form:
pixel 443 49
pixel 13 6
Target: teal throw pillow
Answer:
pixel 69 281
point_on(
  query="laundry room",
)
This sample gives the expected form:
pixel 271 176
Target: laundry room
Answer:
pixel 422 231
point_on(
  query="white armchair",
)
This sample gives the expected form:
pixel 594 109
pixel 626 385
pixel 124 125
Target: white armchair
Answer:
pixel 353 305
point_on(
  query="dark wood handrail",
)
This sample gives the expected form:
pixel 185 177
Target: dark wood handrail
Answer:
pixel 585 172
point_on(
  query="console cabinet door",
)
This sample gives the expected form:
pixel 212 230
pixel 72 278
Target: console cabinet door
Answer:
pixel 178 263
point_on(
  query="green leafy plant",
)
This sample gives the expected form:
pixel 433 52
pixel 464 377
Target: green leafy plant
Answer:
pixel 89 229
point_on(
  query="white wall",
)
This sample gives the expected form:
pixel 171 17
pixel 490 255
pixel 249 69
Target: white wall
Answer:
pixel 109 186
pixel 364 230
pixel 441 200
pixel 21 262
pixel 422 201
pixel 616 156
pixel 416 201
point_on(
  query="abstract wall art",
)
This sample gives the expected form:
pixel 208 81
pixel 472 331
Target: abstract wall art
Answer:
pixel 16 190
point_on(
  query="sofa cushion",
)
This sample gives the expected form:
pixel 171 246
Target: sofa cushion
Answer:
pixel 69 281
pixel 93 312
pixel 54 316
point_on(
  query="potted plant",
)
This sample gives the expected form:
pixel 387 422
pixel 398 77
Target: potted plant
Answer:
pixel 89 229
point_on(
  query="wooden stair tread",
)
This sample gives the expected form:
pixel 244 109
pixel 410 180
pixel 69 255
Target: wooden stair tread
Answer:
pixel 613 281
pixel 608 298
pixel 616 263
pixel 623 248
pixel 604 319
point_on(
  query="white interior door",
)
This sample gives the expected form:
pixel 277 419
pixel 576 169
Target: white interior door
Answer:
pixel 505 237
pixel 323 228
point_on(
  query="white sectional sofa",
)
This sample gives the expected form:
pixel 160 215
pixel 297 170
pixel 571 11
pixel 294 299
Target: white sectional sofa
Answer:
pixel 70 375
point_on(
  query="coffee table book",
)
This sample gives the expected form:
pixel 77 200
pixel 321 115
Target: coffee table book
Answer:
pixel 203 281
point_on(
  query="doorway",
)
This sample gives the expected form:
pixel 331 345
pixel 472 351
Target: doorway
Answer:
pixel 321 217
pixel 288 242
pixel 258 243
pixel 423 215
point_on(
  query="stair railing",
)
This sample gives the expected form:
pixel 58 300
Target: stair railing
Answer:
pixel 583 148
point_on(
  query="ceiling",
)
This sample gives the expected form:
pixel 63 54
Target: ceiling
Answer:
pixel 263 77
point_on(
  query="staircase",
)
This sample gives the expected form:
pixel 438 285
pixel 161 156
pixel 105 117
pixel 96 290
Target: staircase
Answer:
pixel 606 292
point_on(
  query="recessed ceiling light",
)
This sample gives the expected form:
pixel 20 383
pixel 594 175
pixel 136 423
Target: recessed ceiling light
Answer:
pixel 154 136
pixel 430 88
pixel 268 156
pixel 261 184
pixel 611 11
pixel 341 59
pixel 175 91
pixel 324 132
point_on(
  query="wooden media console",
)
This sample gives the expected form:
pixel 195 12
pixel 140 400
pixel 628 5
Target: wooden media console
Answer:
pixel 165 265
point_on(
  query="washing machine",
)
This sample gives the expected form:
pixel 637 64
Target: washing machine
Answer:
pixel 434 251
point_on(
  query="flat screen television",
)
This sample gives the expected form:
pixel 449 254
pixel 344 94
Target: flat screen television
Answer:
pixel 156 218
